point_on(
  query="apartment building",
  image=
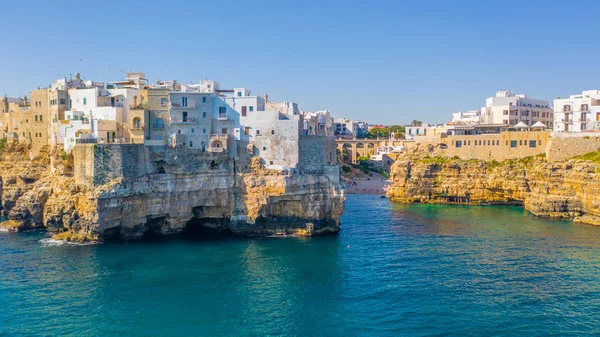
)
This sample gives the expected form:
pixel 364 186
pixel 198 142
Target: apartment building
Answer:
pixel 578 113
pixel 509 109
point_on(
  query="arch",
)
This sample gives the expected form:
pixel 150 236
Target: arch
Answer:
pixel 371 145
pixel 216 144
pixel 347 145
pixel 360 145
pixel 442 146
pixel 137 123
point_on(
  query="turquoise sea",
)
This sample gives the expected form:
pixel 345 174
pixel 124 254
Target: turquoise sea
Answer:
pixel 393 270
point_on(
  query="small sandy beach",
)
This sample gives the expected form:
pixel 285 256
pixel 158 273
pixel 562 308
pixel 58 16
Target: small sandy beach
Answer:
pixel 375 185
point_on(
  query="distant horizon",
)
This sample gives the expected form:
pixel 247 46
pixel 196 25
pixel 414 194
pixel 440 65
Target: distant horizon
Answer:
pixel 385 63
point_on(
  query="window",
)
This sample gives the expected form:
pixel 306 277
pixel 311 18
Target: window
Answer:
pixel 178 132
pixel 203 99
pixel 222 112
pixel 224 131
pixel 62 101
pixel 272 132
pixel 566 108
pixel 193 130
pixel 203 148
pixel 239 94
pixel 458 143
pixel 271 162
pixel 251 108
pixel 184 102
pixel 258 132
pixel 513 143
pixel 247 131
pixel 532 143
pixel 190 144
pixel 264 148
pixel 36 118
pixel 70 102
pixel 520 142
pixel 203 131
pixel 84 101
pixel 243 111
pixel 505 112
pixel 584 107
pixel 163 101
pixel 184 116
pixel 203 114
pixel 41 118
pixel 539 142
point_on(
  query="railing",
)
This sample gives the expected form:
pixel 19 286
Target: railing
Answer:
pixel 218 136
pixel 190 105
pixel 137 107
pixel 222 116
pixel 86 141
pixel 217 149
pixel 182 120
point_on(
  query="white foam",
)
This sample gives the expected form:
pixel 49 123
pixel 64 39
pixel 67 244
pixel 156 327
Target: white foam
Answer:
pixel 49 242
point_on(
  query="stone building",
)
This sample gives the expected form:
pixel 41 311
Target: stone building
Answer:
pixel 40 118
pixel 190 120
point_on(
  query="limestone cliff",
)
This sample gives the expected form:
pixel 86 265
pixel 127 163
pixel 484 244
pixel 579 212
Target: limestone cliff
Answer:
pixel 569 190
pixel 42 193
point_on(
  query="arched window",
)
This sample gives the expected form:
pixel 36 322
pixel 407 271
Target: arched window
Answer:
pixel 137 123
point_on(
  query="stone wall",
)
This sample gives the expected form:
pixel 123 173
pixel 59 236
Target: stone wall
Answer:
pixel 562 148
pixel 502 146
pixel 98 164
pixel 315 153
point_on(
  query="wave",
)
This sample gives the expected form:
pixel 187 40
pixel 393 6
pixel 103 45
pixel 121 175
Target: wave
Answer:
pixel 50 242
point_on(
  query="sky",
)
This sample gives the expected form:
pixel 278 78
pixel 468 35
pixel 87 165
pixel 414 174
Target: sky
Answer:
pixel 386 62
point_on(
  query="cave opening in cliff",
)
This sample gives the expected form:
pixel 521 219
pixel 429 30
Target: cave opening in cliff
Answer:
pixel 207 229
pixel 153 226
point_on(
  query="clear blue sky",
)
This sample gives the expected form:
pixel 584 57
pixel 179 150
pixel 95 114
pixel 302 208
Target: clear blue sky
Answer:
pixel 384 62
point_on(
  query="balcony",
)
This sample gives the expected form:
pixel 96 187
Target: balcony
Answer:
pixel 184 120
pixel 217 149
pixel 189 106
pixel 222 116
pixel 137 107
pixel 86 140
pixel 218 136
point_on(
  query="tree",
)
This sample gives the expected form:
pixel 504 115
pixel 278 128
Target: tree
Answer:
pixel 416 123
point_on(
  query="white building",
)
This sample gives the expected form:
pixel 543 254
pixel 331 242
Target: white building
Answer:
pixel 578 113
pixel 317 122
pixel 469 117
pixel 510 109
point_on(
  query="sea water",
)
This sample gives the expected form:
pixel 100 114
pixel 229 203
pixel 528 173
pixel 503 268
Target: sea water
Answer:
pixel 393 270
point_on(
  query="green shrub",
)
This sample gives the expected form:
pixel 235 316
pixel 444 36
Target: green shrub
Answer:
pixel 346 169
pixel 2 144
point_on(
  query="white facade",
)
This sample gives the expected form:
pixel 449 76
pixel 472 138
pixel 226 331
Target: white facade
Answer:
pixel 578 113
pixel 510 109
pixel 469 117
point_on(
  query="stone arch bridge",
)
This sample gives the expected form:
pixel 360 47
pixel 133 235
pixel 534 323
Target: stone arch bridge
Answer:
pixel 354 148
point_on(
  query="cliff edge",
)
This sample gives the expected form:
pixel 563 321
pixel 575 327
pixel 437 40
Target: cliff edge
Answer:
pixel 567 190
pixel 211 192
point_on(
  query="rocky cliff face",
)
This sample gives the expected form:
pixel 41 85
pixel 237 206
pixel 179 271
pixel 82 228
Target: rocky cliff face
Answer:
pixel 569 190
pixel 41 193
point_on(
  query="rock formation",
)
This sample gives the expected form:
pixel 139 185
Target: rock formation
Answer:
pixel 568 190
pixel 42 193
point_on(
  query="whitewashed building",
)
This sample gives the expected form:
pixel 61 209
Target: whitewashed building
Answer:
pixel 510 109
pixel 469 117
pixel 578 113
